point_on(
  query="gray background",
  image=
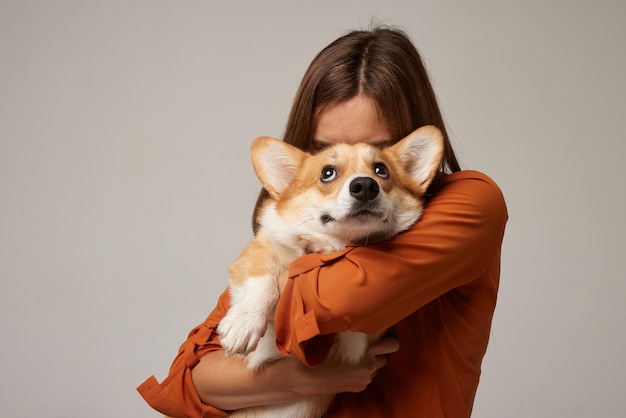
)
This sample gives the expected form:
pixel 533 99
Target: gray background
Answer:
pixel 126 187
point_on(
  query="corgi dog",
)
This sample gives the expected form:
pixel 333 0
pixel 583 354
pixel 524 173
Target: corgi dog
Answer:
pixel 319 203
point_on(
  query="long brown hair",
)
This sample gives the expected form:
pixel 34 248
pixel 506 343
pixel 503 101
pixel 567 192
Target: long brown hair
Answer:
pixel 380 63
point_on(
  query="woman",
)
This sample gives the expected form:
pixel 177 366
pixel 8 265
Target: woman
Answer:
pixel 433 287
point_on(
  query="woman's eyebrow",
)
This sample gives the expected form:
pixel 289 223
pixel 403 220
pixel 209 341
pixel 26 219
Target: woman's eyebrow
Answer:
pixel 318 145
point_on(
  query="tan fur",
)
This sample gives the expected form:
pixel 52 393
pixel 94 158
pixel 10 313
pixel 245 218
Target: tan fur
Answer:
pixel 256 259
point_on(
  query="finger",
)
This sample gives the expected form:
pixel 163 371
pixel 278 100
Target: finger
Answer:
pixel 380 362
pixel 384 346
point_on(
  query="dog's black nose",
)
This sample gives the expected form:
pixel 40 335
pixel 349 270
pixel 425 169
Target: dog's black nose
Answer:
pixel 364 188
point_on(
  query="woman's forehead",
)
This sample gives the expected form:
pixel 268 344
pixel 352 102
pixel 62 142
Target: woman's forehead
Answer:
pixel 351 121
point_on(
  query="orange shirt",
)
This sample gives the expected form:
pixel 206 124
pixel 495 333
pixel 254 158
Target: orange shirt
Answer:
pixel 433 287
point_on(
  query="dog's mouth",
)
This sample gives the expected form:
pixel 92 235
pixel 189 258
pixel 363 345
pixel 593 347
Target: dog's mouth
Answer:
pixel 359 215
pixel 365 213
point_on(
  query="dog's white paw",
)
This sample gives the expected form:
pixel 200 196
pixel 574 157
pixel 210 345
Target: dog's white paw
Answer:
pixel 240 332
pixel 252 305
pixel 266 351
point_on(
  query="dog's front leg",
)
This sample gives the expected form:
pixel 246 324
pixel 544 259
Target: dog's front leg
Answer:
pixel 252 305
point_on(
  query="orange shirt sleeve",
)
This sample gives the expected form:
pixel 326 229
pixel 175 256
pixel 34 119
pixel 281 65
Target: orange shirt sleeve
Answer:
pixel 176 396
pixel 368 289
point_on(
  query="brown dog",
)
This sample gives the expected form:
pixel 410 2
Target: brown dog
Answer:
pixel 319 203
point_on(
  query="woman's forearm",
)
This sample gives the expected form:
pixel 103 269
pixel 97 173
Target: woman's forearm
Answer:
pixel 226 383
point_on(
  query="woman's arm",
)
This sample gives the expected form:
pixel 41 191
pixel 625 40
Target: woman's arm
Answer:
pixel 226 383
pixel 368 289
pixel 204 381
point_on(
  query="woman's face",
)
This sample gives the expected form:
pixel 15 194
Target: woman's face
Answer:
pixel 354 120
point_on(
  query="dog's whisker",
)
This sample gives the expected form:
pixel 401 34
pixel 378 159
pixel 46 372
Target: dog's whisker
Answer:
pixel 367 239
pixel 305 221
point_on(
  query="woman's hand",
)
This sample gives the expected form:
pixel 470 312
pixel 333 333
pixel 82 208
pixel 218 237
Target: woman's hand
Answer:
pixel 342 377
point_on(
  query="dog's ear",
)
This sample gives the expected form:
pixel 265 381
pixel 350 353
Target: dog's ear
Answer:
pixel 420 154
pixel 275 163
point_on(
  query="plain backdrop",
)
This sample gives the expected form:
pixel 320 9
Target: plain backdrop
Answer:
pixel 126 187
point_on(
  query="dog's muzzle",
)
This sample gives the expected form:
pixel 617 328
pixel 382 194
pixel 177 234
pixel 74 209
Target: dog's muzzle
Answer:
pixel 364 189
pixel 365 192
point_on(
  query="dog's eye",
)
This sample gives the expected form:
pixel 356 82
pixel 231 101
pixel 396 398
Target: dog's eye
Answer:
pixel 381 170
pixel 329 173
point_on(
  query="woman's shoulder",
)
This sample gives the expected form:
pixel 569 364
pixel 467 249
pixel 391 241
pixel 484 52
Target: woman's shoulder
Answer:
pixel 472 187
pixel 468 180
